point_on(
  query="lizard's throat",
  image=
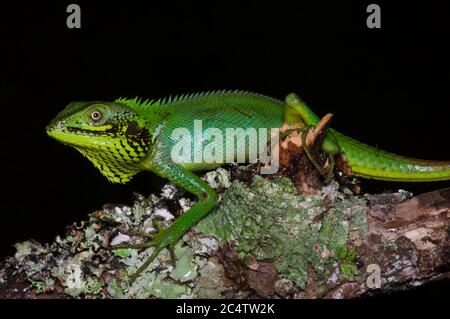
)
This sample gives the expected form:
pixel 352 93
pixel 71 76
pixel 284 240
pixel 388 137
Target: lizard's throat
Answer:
pixel 117 157
pixel 116 165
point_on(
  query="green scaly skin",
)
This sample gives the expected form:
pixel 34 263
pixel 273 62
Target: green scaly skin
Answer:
pixel 124 137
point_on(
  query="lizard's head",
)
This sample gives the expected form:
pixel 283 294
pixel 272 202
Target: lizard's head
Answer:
pixel 110 134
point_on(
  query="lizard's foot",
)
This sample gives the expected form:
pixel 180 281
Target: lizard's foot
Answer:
pixel 304 131
pixel 327 173
pixel 164 238
pixel 289 131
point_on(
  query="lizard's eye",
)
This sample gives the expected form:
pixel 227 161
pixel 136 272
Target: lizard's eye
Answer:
pixel 96 116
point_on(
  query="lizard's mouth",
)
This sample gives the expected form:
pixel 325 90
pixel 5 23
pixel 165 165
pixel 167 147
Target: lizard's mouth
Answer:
pixel 74 137
pixel 55 132
pixel 62 136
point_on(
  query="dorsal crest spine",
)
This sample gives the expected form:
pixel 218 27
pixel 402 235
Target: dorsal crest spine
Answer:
pixel 140 104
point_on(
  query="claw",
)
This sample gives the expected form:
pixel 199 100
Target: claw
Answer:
pixel 173 259
pixel 159 241
pixel 156 223
pixel 328 174
pixel 133 246
pixel 308 153
pixel 139 233
pixel 144 266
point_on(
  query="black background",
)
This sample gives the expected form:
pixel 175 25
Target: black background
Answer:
pixel 387 87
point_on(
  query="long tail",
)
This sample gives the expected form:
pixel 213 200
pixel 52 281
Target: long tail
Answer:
pixel 369 162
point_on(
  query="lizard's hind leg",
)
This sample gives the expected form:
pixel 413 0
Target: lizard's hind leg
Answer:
pixel 326 173
pixel 297 111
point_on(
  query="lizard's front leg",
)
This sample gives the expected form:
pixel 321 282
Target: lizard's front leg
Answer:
pixel 167 238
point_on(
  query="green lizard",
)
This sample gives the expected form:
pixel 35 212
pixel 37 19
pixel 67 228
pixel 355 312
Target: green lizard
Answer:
pixel 124 137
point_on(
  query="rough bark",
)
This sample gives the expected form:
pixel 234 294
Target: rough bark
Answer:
pixel 283 236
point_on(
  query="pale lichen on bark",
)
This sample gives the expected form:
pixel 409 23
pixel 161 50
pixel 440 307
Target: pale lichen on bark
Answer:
pixel 269 236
